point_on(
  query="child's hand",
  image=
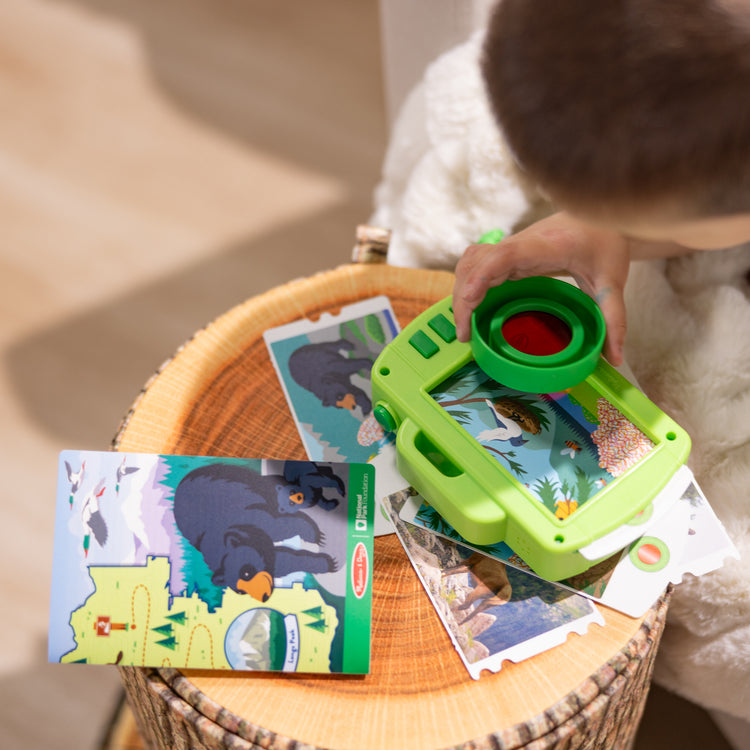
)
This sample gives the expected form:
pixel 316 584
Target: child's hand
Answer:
pixel 596 258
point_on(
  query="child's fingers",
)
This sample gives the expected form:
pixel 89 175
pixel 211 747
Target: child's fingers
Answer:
pixel 470 287
pixel 612 304
pixel 480 268
pixel 483 266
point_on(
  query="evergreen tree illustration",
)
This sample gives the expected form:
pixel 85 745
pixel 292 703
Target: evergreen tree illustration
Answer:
pixel 585 486
pixel 547 492
pixel 374 328
pixel 351 328
pixel 566 490
pixel 434 521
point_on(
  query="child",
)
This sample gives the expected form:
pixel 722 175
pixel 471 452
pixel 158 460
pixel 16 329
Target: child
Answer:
pixel 632 116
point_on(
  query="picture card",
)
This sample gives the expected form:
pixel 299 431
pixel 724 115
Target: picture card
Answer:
pixel 686 538
pixel 563 449
pixel 324 368
pixel 619 538
pixel 492 612
pixel 212 563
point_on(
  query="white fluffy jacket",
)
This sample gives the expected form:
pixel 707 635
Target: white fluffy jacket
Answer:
pixel 448 178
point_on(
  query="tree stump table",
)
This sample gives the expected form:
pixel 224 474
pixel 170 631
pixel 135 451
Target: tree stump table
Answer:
pixel 218 395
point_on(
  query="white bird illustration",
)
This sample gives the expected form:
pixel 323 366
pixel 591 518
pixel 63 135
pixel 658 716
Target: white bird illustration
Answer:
pixel 506 428
pixel 75 478
pixel 123 471
pixel 93 521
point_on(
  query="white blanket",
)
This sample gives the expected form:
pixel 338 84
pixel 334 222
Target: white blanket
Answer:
pixel 448 178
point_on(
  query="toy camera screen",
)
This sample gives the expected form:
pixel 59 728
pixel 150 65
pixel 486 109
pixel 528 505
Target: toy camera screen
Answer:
pixel 564 447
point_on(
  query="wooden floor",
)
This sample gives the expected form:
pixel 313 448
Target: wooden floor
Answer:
pixel 159 163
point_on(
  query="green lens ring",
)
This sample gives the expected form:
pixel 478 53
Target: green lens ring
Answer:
pixel 530 372
pixel 649 553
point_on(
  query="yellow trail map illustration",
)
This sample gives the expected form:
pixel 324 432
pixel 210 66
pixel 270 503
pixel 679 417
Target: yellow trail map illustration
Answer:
pixel 117 624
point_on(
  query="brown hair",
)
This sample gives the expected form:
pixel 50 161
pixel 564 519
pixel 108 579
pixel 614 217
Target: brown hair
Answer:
pixel 626 101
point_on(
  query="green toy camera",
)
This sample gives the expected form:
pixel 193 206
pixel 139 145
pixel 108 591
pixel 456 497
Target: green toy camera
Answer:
pixel 526 435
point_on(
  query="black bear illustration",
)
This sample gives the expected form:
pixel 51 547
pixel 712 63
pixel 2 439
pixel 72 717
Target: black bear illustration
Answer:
pixel 302 486
pixel 229 514
pixel 325 372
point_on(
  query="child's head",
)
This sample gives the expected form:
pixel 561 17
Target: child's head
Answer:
pixel 635 112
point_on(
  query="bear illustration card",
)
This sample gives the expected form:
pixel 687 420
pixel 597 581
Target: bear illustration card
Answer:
pixel 212 563
pixel 324 368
